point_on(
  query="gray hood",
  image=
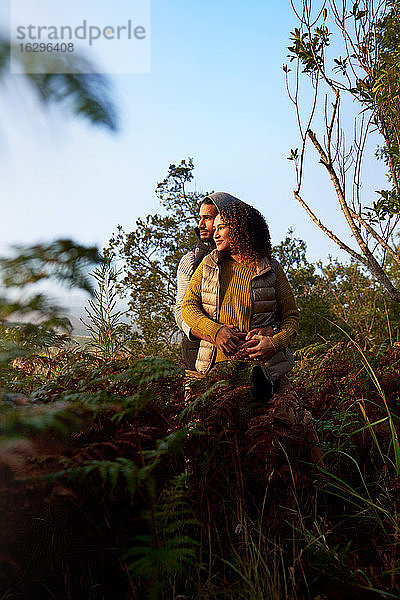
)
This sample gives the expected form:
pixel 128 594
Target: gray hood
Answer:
pixel 222 199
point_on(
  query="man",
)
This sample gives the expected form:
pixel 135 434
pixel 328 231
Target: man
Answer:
pixel 209 208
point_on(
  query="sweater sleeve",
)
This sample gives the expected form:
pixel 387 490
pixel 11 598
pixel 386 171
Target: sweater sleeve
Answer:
pixel 192 311
pixel 288 312
pixel 185 271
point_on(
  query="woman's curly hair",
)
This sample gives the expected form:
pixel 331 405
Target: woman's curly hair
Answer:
pixel 248 231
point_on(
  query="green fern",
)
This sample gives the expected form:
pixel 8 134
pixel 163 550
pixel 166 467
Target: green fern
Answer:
pixel 21 421
pixel 202 400
pixel 110 472
pixel 312 349
pixel 154 378
pixel 167 549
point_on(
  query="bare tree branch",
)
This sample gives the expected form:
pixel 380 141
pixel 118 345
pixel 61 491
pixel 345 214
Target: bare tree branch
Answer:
pixel 330 233
pixel 376 235
pixel 372 263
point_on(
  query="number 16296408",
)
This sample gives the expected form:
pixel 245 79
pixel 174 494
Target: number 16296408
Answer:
pixel 49 47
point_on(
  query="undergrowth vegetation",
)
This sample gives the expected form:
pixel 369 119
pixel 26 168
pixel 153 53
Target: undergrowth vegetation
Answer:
pixel 114 487
pixel 121 481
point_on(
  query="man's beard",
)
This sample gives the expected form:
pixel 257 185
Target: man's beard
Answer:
pixel 205 236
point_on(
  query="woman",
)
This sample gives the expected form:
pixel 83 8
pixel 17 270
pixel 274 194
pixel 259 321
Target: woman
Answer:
pixel 240 297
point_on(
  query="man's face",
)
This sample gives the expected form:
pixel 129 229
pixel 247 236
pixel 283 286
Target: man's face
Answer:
pixel 208 212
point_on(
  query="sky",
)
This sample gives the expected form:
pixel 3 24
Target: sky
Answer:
pixel 215 92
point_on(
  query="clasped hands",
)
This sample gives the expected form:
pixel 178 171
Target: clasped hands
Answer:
pixel 254 345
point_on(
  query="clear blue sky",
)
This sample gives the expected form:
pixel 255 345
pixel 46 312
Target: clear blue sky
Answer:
pixel 215 92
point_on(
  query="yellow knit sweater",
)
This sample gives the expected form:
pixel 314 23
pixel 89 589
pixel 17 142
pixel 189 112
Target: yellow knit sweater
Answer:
pixel 235 304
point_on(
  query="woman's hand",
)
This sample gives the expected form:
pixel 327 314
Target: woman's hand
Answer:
pixel 228 339
pixel 268 331
pixel 258 347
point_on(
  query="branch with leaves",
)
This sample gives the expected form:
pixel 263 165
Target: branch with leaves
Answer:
pixel 367 72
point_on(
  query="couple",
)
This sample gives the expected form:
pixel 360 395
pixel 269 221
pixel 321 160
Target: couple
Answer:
pixel 234 300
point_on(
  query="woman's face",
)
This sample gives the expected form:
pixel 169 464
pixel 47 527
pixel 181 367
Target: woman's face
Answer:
pixel 221 234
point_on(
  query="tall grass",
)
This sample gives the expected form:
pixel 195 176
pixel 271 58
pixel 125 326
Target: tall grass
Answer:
pixel 394 442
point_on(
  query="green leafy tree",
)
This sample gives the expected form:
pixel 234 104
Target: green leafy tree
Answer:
pixel 308 287
pixel 334 295
pixel 356 304
pixel 151 253
pixel 363 78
